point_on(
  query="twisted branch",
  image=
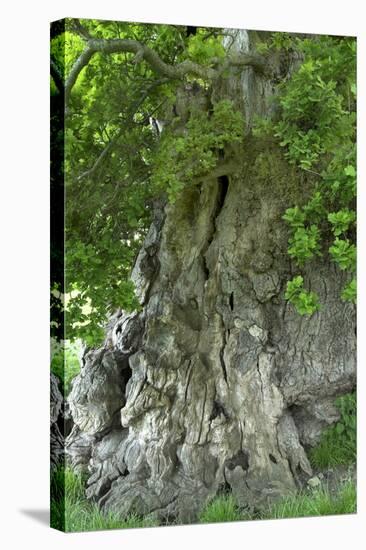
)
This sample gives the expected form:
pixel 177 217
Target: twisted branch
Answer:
pixel 142 52
pixel 109 147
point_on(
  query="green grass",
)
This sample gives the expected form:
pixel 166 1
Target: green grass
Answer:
pixel 86 517
pixel 71 512
pixel 338 444
pixel 318 503
pixel 220 509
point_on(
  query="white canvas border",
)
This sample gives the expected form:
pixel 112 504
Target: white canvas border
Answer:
pixel 24 272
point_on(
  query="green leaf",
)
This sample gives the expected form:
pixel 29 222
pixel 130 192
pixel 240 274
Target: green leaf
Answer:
pixel 341 220
pixel 294 217
pixel 306 303
pixel 344 254
pixel 349 293
pixel 350 171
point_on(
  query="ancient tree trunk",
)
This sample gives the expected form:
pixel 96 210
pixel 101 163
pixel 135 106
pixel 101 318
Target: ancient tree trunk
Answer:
pixel 217 384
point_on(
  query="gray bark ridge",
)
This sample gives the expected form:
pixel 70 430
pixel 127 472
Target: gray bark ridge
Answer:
pixel 57 441
pixel 218 384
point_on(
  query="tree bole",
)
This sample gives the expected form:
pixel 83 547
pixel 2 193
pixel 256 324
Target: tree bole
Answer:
pixel 217 384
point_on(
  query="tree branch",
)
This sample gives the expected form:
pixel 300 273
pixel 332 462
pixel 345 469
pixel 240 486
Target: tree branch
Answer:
pixel 80 30
pixel 101 157
pixel 221 169
pixel 142 52
pixel 114 140
pixel 258 62
pixel 79 64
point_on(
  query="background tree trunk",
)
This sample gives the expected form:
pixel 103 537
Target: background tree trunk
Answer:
pixel 217 384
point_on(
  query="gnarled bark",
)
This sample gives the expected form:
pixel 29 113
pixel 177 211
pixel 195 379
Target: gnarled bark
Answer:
pixel 217 384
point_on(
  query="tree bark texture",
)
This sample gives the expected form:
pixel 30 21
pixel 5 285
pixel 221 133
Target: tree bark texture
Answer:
pixel 217 384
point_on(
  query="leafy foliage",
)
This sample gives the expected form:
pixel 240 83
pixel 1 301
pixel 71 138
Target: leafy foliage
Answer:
pixel 349 293
pixel 304 244
pixel 65 362
pixel 316 106
pixel 305 302
pixel 344 254
pixel 182 161
pixel 338 444
pixel 341 220
pixel 110 157
pixel 316 128
pixel 115 167
pixel 202 51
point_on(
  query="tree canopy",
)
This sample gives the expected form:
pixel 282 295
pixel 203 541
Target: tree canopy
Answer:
pixel 114 76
